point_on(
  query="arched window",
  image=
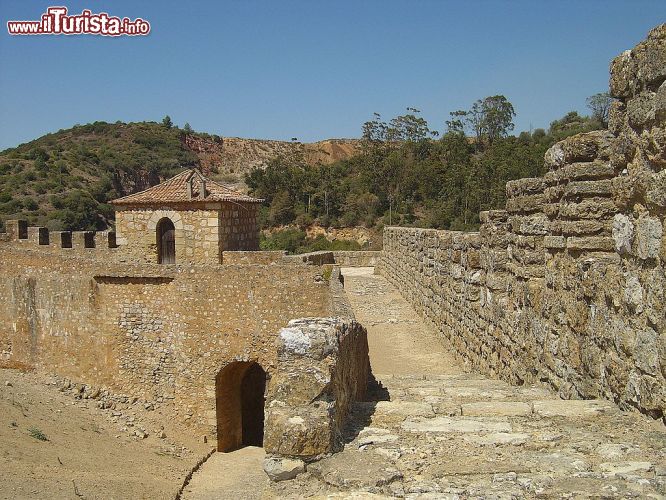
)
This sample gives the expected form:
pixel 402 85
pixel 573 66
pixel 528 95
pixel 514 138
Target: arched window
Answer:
pixel 166 242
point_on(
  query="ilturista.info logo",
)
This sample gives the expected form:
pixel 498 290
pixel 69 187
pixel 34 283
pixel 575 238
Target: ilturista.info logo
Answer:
pixel 57 21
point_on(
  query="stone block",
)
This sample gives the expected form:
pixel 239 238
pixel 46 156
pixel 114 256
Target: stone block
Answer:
pixel 17 229
pixel 587 171
pixel 283 469
pixel 623 75
pixel 498 439
pixel 581 189
pixel 525 204
pixel 496 408
pixel 591 243
pixel 584 147
pixel 536 224
pixel 555 242
pixel 525 186
pixel 642 67
pixel 616 117
pixel 38 235
pixel 623 233
pixel 455 425
pixel 624 468
pixel 578 227
pixel 641 109
pixel 588 209
pixel 573 408
pixel 648 237
pixel 323 367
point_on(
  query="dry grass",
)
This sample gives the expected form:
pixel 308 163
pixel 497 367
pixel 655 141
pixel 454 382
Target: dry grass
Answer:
pixel 16 365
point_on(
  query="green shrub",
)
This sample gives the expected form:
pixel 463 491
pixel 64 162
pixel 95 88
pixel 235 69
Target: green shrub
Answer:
pixel 37 434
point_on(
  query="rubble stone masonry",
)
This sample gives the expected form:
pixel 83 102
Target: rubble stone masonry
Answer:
pixel 566 285
pixel 156 332
pixel 201 234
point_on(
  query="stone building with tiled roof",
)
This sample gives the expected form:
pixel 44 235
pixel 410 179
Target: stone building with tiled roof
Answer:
pixel 186 219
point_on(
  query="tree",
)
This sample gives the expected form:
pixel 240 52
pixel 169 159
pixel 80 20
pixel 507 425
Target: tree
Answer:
pixel 456 124
pixel 600 104
pixel 488 119
pixel 187 129
pixel 166 122
pixel 409 127
pixel 497 117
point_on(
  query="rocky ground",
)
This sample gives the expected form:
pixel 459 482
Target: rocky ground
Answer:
pixel 62 440
pixel 443 433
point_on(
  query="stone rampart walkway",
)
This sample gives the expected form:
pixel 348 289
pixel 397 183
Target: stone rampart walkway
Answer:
pixel 437 432
pixel 448 434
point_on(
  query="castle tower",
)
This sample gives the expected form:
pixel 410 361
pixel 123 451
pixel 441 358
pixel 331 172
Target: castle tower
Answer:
pixel 186 219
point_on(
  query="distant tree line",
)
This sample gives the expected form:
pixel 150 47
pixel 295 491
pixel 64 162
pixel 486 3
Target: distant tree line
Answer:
pixel 407 175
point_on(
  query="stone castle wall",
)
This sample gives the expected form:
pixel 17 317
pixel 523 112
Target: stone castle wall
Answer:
pixel 159 333
pixel 565 286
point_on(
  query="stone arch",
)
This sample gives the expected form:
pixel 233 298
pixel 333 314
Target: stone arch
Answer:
pixel 239 405
pixel 179 233
pixel 157 215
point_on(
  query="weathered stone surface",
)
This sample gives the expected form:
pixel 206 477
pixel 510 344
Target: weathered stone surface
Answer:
pixel 646 353
pixel 322 369
pixel 283 469
pixel 401 409
pixel 579 148
pixel 577 408
pixel 496 408
pixel 641 109
pixel 643 66
pixel 587 171
pixel 456 425
pixel 499 438
pixel 590 243
pixel 623 233
pixel 588 188
pixel 615 468
pixel 634 294
pixel 555 242
pixel 648 237
pixel 355 470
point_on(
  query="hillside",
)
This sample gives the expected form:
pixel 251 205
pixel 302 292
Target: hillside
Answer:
pixel 236 156
pixel 64 180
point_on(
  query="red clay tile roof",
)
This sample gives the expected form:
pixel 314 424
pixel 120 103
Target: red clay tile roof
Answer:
pixel 175 190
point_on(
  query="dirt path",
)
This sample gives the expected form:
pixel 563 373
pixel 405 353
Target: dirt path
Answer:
pixel 236 475
pixel 399 341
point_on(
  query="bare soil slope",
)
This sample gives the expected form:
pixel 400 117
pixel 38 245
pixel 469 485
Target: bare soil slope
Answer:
pixel 89 452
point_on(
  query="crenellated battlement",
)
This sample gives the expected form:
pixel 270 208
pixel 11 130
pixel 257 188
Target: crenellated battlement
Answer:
pixel 18 232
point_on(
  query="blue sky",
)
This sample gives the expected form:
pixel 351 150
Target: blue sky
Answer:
pixel 313 69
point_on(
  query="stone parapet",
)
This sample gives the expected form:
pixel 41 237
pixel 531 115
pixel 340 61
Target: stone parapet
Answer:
pixel 565 286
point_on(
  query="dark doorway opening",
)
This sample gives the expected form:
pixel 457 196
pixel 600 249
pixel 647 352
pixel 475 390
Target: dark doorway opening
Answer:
pixel 166 242
pixel 253 388
pixel 239 403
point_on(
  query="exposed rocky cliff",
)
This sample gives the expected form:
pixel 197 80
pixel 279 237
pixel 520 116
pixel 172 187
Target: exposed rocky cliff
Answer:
pixel 234 155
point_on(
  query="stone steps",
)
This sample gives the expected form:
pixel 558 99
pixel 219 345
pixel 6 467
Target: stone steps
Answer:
pixel 467 435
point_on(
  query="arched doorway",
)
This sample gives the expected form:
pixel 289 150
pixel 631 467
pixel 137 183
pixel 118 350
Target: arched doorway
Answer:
pixel 166 242
pixel 239 405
